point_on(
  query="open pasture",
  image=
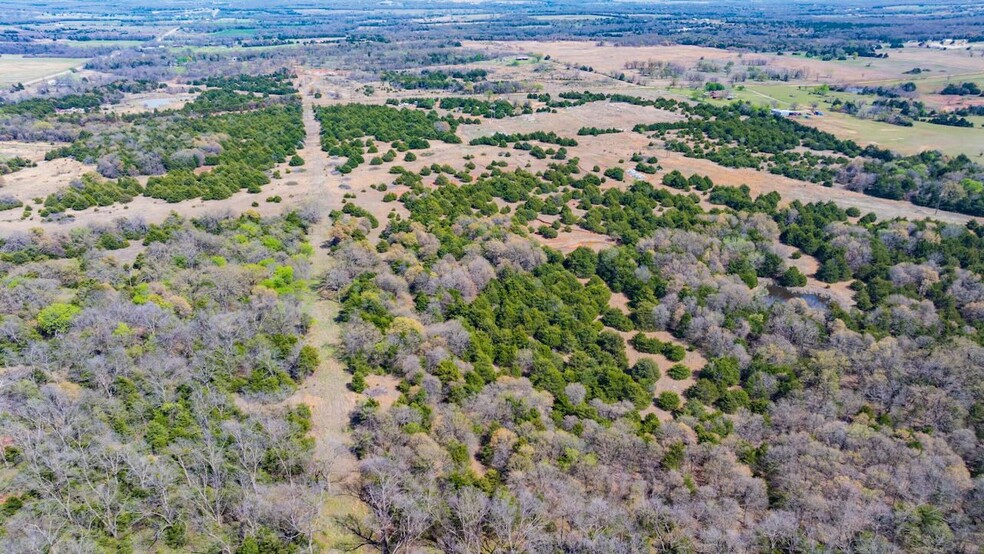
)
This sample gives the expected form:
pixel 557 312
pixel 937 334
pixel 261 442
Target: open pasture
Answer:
pixel 22 69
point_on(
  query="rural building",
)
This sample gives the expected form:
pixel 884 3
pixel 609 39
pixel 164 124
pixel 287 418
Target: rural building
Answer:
pixel 795 113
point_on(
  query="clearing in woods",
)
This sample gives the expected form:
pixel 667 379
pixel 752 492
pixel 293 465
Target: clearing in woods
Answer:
pixel 326 391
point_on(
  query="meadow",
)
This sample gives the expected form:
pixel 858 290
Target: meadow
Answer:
pixel 22 69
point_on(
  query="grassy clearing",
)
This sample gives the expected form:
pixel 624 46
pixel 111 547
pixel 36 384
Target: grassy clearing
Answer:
pixel 332 536
pixel 784 96
pixel 234 33
pixel 886 71
pixel 905 140
pixel 102 43
pixel 789 95
pixel 15 68
pixel 228 49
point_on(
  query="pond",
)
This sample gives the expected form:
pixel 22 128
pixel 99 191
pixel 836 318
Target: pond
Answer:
pixel 777 293
pixel 154 103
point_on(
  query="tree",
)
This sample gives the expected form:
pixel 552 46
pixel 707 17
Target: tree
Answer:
pixel 676 180
pixel 582 262
pixel 400 511
pixel 723 371
pixel 56 318
pixel 645 371
pixel 834 269
pixel 792 278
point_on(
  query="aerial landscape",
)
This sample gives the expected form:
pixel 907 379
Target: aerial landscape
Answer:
pixel 492 276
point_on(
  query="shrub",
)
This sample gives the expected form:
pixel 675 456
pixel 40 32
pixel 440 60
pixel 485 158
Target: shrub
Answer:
pixel 673 352
pixel 307 360
pixel 733 400
pixel 722 371
pixel 676 180
pixel 615 319
pixel 92 191
pixel 358 383
pixel 644 344
pixel 679 372
pixel 616 173
pixel 8 202
pixel 112 241
pixel 668 400
pixel 595 131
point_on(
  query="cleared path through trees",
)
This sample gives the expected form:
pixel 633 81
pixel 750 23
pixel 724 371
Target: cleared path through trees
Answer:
pixel 326 391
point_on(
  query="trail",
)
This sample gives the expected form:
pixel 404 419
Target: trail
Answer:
pixel 753 91
pixel 325 391
pixel 46 78
pixel 167 34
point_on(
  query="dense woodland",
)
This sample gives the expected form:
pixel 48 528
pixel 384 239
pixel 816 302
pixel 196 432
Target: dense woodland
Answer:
pixel 515 373
pixel 521 424
pixel 142 402
pixel 523 427
pixel 344 127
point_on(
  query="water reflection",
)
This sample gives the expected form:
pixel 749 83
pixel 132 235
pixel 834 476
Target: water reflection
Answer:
pixel 154 103
pixel 778 293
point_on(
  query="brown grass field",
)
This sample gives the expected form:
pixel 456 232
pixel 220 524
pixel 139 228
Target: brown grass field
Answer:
pixel 943 64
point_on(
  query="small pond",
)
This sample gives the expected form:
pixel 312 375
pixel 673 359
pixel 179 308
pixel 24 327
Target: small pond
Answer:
pixel 154 103
pixel 777 293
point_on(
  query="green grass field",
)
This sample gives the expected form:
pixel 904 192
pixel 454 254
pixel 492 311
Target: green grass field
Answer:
pixel 19 69
pixel 789 96
pixel 102 43
pixel 783 96
pixel 905 140
pixel 234 33
pixel 228 49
